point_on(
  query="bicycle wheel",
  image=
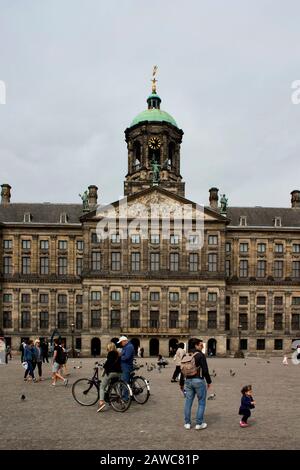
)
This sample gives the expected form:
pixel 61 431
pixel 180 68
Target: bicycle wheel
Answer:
pixel 119 396
pixel 140 389
pixel 85 392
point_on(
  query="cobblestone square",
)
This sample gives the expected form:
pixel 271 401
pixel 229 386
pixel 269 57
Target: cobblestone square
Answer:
pixel 49 418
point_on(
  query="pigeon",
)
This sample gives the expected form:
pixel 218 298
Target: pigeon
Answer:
pixel 212 396
pixel 149 368
pixel 245 363
pixel 232 373
pixel 268 362
pixel 214 373
pixel 23 397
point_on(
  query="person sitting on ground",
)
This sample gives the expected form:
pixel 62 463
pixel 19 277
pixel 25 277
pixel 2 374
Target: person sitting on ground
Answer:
pixel 161 361
pixel 112 368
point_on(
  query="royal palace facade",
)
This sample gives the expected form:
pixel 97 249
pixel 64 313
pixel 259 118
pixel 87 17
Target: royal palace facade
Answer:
pixel 238 290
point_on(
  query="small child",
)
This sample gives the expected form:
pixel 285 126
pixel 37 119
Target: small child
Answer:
pixel 247 403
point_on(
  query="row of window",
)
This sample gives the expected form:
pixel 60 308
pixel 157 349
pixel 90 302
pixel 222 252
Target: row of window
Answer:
pixel 261 268
pixel 261 300
pixel 262 247
pixel 260 344
pixel 155 239
pixel 44 265
pixel 44 244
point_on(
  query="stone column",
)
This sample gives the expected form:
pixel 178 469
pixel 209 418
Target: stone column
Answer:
pixel 164 309
pixel 16 314
pixel 85 308
pixel 71 309
pixel 71 259
pixel 183 318
pixel 125 308
pixel 235 257
pixel 53 255
pixel 86 250
pixel 35 255
pixel 221 310
pixel 145 308
pixel 16 261
pixel 252 319
pixel 287 300
pixel 34 311
pixel 52 310
pixel 203 316
pixel 270 327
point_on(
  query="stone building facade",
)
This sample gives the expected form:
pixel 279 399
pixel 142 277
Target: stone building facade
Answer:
pixel 239 289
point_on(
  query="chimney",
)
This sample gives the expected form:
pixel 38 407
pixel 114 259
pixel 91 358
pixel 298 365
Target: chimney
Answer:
pixel 295 200
pixel 93 195
pixel 5 193
pixel 213 198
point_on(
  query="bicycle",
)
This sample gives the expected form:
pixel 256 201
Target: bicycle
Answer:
pixel 139 385
pixel 86 392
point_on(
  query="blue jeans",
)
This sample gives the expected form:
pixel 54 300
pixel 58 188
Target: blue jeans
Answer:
pixel 126 369
pixel 194 387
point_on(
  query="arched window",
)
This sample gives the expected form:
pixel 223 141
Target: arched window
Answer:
pixel 171 154
pixel 137 154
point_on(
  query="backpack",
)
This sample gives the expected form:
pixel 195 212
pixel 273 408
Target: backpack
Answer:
pixel 61 356
pixel 188 365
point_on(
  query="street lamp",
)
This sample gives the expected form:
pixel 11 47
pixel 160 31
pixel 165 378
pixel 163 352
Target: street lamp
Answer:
pixel 239 352
pixel 72 331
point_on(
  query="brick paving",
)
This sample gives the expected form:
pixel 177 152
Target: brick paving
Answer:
pixel 49 418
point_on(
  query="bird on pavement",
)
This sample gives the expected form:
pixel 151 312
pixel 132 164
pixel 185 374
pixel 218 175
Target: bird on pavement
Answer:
pixel 245 363
pixel 212 396
pixel 23 396
pixel 214 373
pixel 232 373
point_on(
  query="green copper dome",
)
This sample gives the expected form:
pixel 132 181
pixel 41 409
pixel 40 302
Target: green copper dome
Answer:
pixel 153 114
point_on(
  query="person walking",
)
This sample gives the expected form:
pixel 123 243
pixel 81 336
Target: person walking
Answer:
pixel 195 383
pixel 127 357
pixel 45 351
pixel 58 360
pixel 178 358
pixel 247 403
pixel 112 368
pixel 29 357
pixel 38 358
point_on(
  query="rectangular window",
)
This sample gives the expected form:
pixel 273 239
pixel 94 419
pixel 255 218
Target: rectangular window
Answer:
pixel 7 297
pixel 44 244
pixel 243 247
pixel 79 265
pixel 25 244
pixel 278 344
pixel 7 244
pixel 62 299
pixel 154 318
pixel 193 297
pixel 94 238
pixel 62 265
pixel 115 295
pixel 79 299
pixel 44 320
pixel 260 344
pixel 261 300
pixel 44 265
pixel 79 245
pixel 228 267
pixel 193 262
pixel 95 296
pixel 25 265
pixel 134 319
pixel 44 298
pixel 212 262
pixel 261 268
pixel 62 244
pixel 174 296
pixel 135 296
pixel 174 261
pixel 155 239
pixel 62 320
pixel 261 247
pixel 7 264
pixel 227 321
pixel 278 247
pixel 173 319
pixel 115 238
pixel 228 247
pixel 212 320
pixel 96 261
pixel 115 321
pixel 7 319
pixel 278 300
pixel 212 297
pixel 296 269
pixel 78 320
pixel 193 319
pixel 135 261
pixel 243 319
pixel 295 300
pixel 243 300
pixel 25 319
pixel 154 296
pixel 278 325
pixel 295 321
pixel 135 239
pixel 227 301
pixel 260 321
pixel 25 298
pixel 296 248
pixel 115 261
pixel 174 239
pixel 278 269
pixel 95 318
pixel 244 344
pixel 154 261
pixel 243 268
pixel 212 239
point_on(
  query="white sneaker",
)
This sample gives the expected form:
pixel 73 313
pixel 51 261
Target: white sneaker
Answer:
pixel 187 426
pixel 201 426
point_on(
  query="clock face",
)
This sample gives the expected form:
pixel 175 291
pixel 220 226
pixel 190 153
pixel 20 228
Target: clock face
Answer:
pixel 154 143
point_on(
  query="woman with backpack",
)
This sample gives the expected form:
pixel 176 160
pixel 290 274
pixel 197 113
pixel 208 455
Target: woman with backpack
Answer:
pixel 57 363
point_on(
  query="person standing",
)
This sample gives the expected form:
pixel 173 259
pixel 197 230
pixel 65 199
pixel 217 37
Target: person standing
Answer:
pixel 127 357
pixel 247 403
pixel 45 350
pixel 29 357
pixel 196 384
pixel 112 368
pixel 38 357
pixel 178 358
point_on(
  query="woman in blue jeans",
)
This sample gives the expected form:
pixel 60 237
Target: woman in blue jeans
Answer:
pixel 196 385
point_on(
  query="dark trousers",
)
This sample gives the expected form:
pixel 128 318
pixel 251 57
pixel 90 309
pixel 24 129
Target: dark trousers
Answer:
pixel 45 358
pixel 39 366
pixel 29 370
pixel 176 373
pixel 246 415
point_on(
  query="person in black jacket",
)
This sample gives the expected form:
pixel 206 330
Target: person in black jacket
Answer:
pixel 247 403
pixel 196 385
pixel 112 368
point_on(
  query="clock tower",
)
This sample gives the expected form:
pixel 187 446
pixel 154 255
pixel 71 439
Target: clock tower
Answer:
pixel 153 143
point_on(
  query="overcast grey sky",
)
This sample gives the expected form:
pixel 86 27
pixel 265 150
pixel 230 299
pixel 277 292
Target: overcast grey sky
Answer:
pixel 78 71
